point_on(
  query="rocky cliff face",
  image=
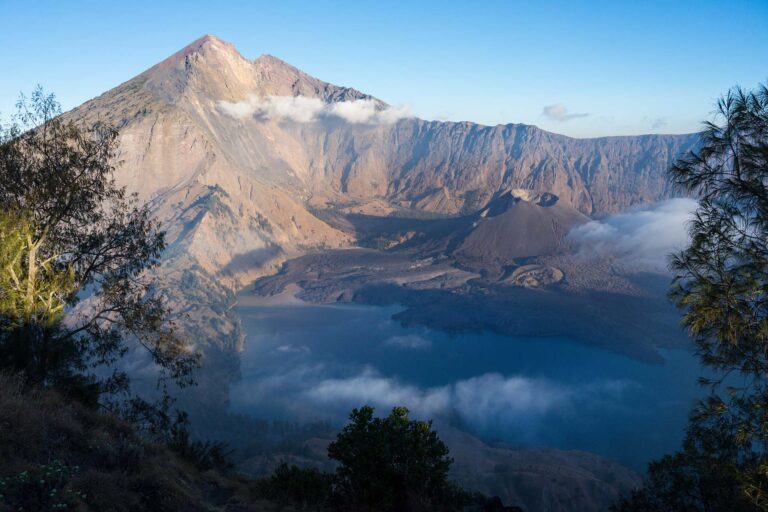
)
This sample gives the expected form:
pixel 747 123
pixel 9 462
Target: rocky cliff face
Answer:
pixel 236 154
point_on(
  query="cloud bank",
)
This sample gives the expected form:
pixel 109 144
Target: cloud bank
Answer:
pixel 305 109
pixel 642 237
pixel 371 388
pixel 487 402
pixel 559 112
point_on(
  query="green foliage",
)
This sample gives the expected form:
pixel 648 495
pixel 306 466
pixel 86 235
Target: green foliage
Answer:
pixel 45 488
pixel 204 455
pixel 307 489
pixel 385 464
pixel 72 241
pixel 25 298
pixel 721 276
pixel 391 463
pixel 31 311
pixel 103 465
pixel 720 284
pixel 706 474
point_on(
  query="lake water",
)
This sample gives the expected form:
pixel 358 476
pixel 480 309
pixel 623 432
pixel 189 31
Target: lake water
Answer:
pixel 315 362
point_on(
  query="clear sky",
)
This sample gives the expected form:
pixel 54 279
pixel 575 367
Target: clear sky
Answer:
pixel 575 67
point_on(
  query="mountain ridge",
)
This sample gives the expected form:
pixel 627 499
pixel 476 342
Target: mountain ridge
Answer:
pixel 238 195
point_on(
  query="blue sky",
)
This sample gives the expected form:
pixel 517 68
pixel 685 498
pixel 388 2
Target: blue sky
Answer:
pixel 631 67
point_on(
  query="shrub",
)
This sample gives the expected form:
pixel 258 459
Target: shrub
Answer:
pixel 46 487
pixel 308 489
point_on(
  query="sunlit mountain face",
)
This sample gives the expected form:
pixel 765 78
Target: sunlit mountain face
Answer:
pixel 250 163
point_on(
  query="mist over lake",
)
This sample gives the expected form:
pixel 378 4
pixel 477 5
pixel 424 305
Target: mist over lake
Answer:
pixel 307 362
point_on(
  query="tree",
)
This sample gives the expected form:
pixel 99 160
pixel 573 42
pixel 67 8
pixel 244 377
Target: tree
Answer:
pixel 385 465
pixel 391 463
pixel 704 475
pixel 305 488
pixel 721 284
pixel 76 251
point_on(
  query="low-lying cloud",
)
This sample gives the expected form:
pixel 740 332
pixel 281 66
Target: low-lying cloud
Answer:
pixel 643 237
pixel 490 399
pixel 408 341
pixel 371 388
pixel 305 109
pixel 559 112
pixel 487 402
pixel 293 349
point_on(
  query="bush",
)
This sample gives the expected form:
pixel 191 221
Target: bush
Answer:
pixel 204 455
pixel 46 487
pixel 308 489
pixel 102 464
pixel 391 463
pixel 385 464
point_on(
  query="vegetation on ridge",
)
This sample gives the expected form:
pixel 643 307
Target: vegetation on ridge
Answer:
pixel 720 284
pixel 385 464
pixel 73 240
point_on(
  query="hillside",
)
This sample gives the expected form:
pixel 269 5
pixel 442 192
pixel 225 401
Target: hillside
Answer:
pixel 515 224
pixel 58 455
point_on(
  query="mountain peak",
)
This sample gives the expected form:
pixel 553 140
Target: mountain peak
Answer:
pixel 269 64
pixel 203 45
pixel 210 38
pixel 206 65
pixel 214 68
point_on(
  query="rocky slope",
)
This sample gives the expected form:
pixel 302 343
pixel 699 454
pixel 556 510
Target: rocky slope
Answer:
pixel 515 224
pixel 242 158
pixel 232 178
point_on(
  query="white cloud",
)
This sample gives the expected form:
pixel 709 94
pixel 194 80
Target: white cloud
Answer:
pixel 381 392
pixel 643 237
pixel 559 112
pixel 293 349
pixel 237 110
pixel 394 113
pixel 484 400
pixel 301 109
pixel 409 341
pixel 355 111
pixel 490 402
pixel 493 395
pixel 304 109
